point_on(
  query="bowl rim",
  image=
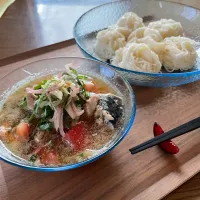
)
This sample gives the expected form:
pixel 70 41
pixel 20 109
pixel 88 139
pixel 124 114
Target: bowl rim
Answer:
pixel 167 74
pixel 85 162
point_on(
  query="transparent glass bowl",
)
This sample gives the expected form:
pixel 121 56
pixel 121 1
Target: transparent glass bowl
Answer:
pixel 101 17
pixel 93 68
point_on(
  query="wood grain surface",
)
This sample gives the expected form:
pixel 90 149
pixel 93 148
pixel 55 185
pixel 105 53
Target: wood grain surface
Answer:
pixel 149 175
pixel 32 24
pixel 188 191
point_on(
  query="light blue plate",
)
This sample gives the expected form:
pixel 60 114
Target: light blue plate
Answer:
pixel 101 17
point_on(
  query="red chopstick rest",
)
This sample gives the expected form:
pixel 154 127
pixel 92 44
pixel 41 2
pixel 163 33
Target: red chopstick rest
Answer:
pixel 168 146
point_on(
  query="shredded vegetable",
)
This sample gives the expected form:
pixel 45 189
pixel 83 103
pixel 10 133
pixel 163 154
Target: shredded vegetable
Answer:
pixel 51 98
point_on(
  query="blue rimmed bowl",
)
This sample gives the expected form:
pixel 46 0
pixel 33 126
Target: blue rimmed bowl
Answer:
pixel 101 17
pixel 25 74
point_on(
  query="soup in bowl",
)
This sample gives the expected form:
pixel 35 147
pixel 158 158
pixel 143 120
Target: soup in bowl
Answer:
pixel 62 113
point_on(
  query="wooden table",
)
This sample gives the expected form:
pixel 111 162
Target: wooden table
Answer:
pixel 35 185
pixel 14 180
pixel 32 24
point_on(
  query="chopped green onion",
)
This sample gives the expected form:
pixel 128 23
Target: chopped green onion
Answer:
pixel 24 102
pixel 48 112
pixel 33 158
pixel 74 71
pixel 81 155
pixel 83 77
pixel 39 86
pixel 47 126
pixel 41 96
pixel 31 117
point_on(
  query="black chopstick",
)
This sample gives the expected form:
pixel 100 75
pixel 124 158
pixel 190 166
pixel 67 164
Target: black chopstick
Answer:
pixel 180 130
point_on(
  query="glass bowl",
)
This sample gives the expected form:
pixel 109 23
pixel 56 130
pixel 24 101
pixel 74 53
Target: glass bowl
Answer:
pixel 101 17
pixel 40 68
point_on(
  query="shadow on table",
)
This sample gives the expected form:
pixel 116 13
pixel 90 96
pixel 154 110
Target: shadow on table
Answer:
pixel 147 95
pixel 44 185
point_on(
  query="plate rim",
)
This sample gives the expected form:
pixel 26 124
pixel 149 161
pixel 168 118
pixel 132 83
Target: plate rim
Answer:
pixel 164 75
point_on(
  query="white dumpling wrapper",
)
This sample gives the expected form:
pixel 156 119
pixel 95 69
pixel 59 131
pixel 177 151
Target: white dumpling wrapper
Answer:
pixel 107 42
pixel 150 37
pixel 167 27
pixel 131 21
pixel 138 57
pixel 179 53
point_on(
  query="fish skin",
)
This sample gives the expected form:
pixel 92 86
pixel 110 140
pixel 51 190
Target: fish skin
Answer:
pixel 113 105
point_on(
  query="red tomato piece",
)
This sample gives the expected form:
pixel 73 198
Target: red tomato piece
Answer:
pixel 22 131
pixel 89 86
pixel 48 157
pixel 5 135
pixel 76 135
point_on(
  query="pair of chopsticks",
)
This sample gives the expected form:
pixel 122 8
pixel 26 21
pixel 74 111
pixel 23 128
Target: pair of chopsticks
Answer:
pixel 180 130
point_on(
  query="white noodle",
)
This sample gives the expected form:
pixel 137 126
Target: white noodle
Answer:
pixel 137 57
pixel 167 27
pixel 179 54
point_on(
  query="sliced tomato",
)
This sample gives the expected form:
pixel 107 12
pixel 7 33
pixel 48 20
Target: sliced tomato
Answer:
pixel 48 157
pixel 22 131
pixel 6 135
pixel 10 137
pixel 76 135
pixel 89 86
pixel 99 87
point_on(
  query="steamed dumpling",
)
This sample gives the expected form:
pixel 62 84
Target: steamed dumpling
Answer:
pixel 179 53
pixel 131 21
pixel 107 42
pixel 150 37
pixel 167 27
pixel 138 57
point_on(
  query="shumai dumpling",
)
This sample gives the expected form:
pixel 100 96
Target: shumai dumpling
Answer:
pixel 107 42
pixel 167 27
pixel 131 21
pixel 138 57
pixel 149 36
pixel 179 53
